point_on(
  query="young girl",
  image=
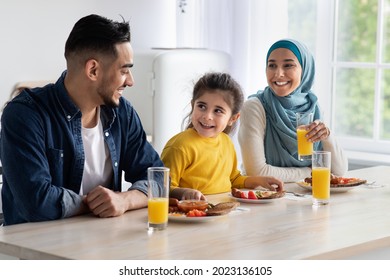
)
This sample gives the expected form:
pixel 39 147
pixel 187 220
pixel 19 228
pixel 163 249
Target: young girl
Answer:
pixel 202 159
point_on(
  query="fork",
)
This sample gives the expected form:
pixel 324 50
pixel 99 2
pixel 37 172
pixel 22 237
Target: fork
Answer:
pixel 373 185
pixel 297 194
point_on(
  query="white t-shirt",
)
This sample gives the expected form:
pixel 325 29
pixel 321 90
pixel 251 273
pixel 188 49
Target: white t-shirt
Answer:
pixel 97 165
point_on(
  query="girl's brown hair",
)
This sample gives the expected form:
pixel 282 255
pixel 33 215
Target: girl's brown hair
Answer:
pixel 223 83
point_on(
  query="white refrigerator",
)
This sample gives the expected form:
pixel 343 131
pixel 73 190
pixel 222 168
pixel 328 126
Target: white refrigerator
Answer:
pixel 163 84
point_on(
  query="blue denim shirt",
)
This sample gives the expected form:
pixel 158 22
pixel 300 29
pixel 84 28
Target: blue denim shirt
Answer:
pixel 42 153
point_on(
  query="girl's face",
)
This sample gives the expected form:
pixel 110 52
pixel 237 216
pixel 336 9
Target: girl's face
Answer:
pixel 283 72
pixel 211 114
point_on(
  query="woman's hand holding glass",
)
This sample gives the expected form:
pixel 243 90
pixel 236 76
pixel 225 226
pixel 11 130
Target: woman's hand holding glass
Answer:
pixel 317 131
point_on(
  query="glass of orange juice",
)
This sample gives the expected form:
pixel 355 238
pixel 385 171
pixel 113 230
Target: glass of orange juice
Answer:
pixel 158 198
pixel 305 147
pixel 321 177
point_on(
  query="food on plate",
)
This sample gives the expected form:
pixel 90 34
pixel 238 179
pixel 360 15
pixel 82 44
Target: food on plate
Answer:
pixel 200 208
pixel 196 213
pixel 173 205
pixel 173 201
pixel 338 181
pixel 256 194
pixel 252 195
pixel 222 208
pixel 188 205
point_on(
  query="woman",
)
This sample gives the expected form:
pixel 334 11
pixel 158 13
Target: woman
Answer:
pixel 267 133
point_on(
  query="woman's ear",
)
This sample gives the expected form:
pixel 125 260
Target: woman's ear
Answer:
pixel 233 119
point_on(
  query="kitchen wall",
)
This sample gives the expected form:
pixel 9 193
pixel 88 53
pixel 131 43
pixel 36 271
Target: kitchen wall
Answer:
pixel 33 33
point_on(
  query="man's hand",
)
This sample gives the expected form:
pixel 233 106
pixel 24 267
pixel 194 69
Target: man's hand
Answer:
pixel 106 203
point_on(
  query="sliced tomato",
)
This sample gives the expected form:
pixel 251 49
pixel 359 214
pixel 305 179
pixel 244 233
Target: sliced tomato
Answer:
pixel 252 195
pixel 200 213
pixel 196 213
pixel 190 214
pixel 346 180
pixel 243 195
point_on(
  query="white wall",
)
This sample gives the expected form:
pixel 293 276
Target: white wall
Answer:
pixel 33 33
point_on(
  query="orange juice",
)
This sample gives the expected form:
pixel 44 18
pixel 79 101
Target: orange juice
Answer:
pixel 321 183
pixel 305 148
pixel 158 210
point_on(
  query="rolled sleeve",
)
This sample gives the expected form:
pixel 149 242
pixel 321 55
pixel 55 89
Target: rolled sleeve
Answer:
pixel 142 186
pixel 71 203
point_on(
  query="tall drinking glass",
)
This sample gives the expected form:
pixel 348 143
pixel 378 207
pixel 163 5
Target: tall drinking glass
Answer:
pixel 321 177
pixel 158 198
pixel 305 147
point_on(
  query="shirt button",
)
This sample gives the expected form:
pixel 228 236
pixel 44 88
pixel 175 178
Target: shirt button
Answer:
pixel 106 134
pixel 68 117
pixel 115 164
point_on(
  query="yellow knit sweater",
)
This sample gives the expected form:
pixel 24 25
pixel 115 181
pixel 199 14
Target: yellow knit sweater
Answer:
pixel 208 165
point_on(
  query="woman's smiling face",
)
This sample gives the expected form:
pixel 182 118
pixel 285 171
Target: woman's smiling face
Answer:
pixel 283 72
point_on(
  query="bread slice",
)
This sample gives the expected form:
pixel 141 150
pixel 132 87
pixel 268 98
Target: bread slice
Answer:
pixel 222 208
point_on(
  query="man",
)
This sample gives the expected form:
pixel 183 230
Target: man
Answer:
pixel 63 147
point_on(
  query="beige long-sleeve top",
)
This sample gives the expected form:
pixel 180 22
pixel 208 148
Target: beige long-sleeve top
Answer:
pixel 251 139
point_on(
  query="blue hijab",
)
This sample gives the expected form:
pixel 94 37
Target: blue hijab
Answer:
pixel 280 142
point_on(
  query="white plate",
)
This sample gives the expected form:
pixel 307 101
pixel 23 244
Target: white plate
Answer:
pixel 255 201
pixel 307 186
pixel 183 218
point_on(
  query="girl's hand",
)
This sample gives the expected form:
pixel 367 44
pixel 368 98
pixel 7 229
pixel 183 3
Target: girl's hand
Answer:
pixel 192 194
pixel 270 183
pixel 317 131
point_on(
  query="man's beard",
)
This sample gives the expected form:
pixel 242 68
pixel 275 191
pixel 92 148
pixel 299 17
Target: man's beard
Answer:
pixel 107 97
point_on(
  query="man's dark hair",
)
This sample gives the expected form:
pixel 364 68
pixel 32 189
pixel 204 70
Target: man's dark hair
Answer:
pixel 96 34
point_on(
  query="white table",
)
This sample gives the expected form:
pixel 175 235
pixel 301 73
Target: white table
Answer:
pixel 354 223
